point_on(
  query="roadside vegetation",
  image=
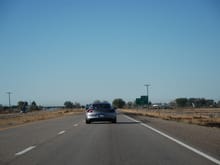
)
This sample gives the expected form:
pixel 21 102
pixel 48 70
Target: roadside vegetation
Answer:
pixel 200 116
pixel 198 111
pixel 25 113
pixel 14 119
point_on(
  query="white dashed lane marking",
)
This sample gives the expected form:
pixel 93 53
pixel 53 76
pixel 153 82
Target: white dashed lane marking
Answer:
pixel 24 151
pixel 32 147
pixel 61 132
pixel 75 125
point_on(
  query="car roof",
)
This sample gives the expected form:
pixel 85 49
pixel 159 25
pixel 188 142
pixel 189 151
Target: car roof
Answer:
pixel 100 103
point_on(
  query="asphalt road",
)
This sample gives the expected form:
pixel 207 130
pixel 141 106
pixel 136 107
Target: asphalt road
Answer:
pixel 69 140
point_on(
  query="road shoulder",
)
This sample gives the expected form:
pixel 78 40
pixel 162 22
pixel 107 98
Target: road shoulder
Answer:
pixel 203 138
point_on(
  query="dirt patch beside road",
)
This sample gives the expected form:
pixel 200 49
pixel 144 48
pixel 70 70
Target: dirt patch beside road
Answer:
pixel 15 119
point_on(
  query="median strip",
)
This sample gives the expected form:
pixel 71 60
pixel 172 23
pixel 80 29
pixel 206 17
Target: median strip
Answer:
pixel 24 151
pixel 177 141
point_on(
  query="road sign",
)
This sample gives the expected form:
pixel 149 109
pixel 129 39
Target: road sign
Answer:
pixel 143 100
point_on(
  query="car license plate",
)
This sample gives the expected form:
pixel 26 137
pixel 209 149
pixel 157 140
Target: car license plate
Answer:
pixel 101 115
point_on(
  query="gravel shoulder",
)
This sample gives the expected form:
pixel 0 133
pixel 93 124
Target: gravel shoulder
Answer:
pixel 205 139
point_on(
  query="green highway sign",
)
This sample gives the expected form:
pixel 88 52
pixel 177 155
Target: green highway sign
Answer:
pixel 143 100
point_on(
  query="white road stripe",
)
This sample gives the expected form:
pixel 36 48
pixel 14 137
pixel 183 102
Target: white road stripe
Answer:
pixel 25 150
pixel 177 141
pixel 61 132
pixel 75 125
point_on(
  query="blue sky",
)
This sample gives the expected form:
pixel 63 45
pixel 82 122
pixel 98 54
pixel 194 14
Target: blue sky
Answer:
pixel 52 51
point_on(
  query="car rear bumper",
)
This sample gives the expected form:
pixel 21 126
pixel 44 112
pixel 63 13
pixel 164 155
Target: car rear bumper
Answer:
pixel 100 117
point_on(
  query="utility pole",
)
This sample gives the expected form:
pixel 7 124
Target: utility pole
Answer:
pixel 147 86
pixel 9 99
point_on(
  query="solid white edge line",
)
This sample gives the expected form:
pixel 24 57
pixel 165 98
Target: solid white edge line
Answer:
pixel 177 141
pixel 61 132
pixel 25 150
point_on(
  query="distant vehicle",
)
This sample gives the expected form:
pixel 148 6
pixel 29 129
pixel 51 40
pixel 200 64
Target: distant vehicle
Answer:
pixel 155 106
pixel 101 112
pixel 161 106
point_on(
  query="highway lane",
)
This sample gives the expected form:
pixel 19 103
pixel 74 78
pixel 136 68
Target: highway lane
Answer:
pixel 69 140
pixel 16 139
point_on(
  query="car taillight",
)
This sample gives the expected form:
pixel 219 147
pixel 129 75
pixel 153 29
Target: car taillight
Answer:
pixel 90 110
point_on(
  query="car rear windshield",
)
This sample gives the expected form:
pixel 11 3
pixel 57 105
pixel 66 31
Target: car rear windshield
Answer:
pixel 102 107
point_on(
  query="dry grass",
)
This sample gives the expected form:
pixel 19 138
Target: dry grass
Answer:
pixel 22 118
pixel 205 117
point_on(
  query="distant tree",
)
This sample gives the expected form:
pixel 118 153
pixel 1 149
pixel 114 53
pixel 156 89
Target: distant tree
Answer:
pixel 203 102
pixel 210 103
pixel 22 106
pixel 68 104
pixel 76 105
pixel 119 103
pixel 192 102
pixel 1 107
pixel 33 106
pixel 130 104
pixel 218 104
pixel 181 102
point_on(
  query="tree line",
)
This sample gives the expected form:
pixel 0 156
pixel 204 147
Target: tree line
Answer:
pixel 22 106
pixel 196 102
pixel 117 103
pixel 71 105
pixel 178 102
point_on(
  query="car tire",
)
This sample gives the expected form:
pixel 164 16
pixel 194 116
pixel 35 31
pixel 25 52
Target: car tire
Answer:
pixel 87 121
pixel 114 121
